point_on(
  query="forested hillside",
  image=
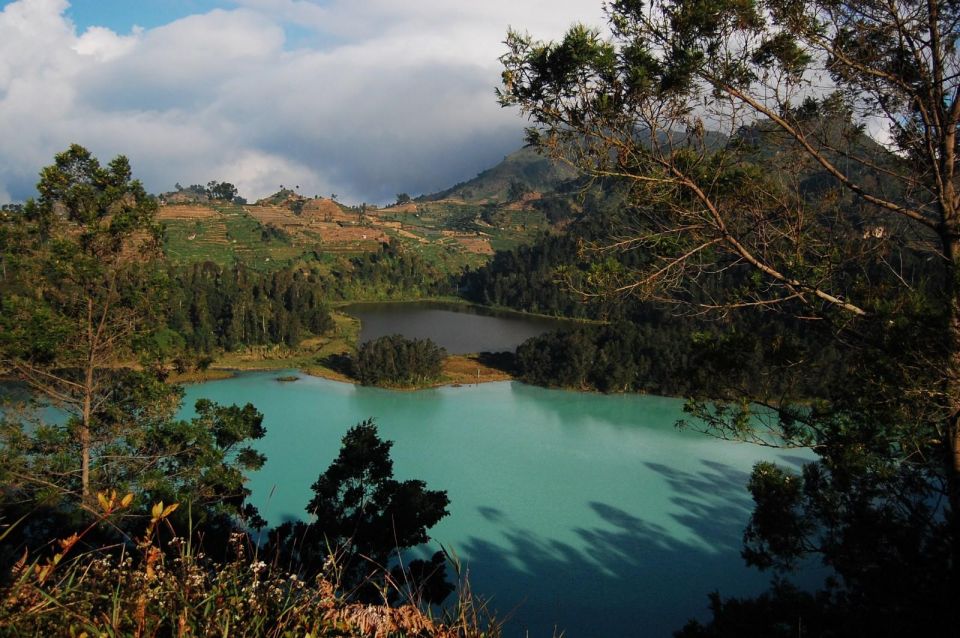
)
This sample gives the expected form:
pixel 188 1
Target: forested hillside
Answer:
pixel 523 171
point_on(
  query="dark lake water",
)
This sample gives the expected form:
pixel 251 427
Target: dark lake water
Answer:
pixel 571 511
pixel 459 328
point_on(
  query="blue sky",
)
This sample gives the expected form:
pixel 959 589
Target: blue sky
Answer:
pixel 122 15
pixel 360 98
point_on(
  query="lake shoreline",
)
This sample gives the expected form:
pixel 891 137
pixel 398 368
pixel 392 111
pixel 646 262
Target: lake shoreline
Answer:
pixel 461 303
pixel 326 356
pixel 457 370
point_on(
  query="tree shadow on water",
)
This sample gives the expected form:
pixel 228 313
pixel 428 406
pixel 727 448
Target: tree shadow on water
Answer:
pixel 492 514
pixel 713 503
pixel 620 573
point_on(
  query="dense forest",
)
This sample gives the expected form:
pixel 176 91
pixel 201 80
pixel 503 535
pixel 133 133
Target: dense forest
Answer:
pixel 391 272
pixel 210 307
pixel 678 356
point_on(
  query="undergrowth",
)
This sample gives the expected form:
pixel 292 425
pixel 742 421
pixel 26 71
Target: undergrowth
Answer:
pixel 162 585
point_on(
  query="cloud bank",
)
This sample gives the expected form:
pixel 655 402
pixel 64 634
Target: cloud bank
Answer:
pixel 363 99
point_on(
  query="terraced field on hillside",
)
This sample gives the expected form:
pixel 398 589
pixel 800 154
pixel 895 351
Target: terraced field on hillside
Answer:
pixel 450 233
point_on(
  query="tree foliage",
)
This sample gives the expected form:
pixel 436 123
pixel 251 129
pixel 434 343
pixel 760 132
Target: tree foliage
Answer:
pixel 212 307
pixel 396 360
pixel 223 191
pixel 675 356
pixel 363 517
pixel 200 463
pixel 78 286
pixel 795 210
pixel 390 272
pixel 82 296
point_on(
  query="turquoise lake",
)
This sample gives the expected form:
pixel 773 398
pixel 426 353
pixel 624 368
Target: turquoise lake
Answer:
pixel 584 513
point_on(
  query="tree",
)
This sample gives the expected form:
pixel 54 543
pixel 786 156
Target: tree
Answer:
pixel 403 198
pixel 517 190
pixel 223 191
pixel 199 464
pixel 363 516
pixel 495 214
pixel 81 290
pixel 82 300
pixel 396 360
pixel 740 130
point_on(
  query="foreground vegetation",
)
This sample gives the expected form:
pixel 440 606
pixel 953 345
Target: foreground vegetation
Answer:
pixel 159 583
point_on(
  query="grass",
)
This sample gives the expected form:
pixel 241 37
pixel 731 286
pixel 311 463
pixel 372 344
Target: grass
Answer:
pixel 317 356
pixel 464 369
pixel 151 587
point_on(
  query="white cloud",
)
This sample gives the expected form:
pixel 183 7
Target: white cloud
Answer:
pixel 103 44
pixel 371 99
pixel 265 173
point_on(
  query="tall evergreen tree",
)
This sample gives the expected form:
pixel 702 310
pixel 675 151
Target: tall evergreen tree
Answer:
pixel 80 288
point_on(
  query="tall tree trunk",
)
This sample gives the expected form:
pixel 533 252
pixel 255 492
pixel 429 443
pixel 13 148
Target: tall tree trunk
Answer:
pixel 85 437
pixel 87 406
pixel 949 208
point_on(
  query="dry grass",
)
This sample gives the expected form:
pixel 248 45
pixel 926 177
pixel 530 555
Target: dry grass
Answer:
pixel 326 210
pixel 199 376
pixel 459 369
pixel 153 588
pixel 476 245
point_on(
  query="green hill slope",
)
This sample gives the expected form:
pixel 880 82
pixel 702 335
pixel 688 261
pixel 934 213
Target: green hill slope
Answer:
pixel 522 171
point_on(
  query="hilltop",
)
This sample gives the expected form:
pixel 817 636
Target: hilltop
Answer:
pixel 504 206
pixel 522 172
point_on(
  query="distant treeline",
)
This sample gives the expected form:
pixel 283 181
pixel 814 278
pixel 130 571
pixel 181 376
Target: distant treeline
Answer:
pixel 642 347
pixel 213 307
pixel 679 356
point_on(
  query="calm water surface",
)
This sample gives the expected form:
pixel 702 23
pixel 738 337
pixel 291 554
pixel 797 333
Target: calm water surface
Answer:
pixel 586 513
pixel 459 328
